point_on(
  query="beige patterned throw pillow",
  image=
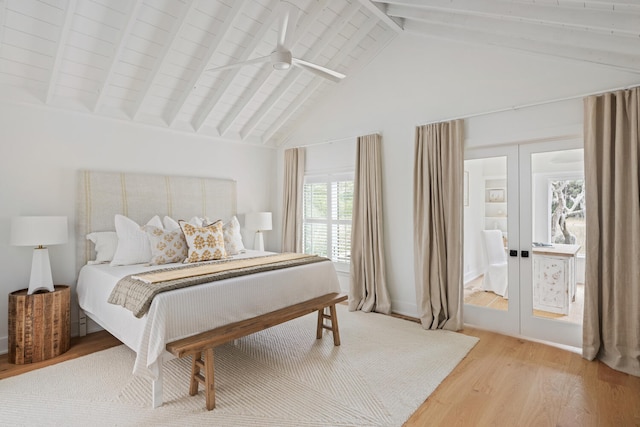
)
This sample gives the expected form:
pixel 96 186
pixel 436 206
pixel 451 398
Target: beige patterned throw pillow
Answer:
pixel 166 246
pixel 205 243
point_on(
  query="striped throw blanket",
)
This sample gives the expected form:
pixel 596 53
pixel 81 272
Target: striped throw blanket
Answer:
pixel 135 292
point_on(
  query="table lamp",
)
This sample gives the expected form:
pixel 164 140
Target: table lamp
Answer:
pixel 259 221
pixel 39 231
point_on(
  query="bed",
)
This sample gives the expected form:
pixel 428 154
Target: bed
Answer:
pixel 183 312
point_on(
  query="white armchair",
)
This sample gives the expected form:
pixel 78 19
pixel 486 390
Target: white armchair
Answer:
pixel 496 274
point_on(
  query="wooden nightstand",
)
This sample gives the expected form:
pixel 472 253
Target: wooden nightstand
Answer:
pixel 38 325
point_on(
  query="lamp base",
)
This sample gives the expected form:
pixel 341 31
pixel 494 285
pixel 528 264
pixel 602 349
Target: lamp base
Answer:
pixel 258 242
pixel 40 279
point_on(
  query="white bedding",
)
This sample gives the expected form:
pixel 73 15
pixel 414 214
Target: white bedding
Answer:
pixel 184 312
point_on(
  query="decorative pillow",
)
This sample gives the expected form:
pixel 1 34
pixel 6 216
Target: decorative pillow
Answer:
pixel 166 246
pixel 232 237
pixel 133 243
pixel 105 244
pixel 205 243
pixel 171 224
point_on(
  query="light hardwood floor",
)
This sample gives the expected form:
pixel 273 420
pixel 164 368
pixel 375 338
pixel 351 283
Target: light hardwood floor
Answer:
pixel 503 381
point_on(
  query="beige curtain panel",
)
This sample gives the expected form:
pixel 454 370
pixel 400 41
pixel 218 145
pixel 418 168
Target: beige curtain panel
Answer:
pixel 292 200
pixel 368 286
pixel 611 330
pixel 437 223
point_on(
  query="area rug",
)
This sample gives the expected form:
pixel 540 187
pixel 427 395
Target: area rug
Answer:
pixel 384 370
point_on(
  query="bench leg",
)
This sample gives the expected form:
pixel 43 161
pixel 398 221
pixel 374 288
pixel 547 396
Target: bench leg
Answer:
pixel 202 372
pixel 332 317
pixel 210 389
pixel 320 323
pixel 196 363
pixel 334 325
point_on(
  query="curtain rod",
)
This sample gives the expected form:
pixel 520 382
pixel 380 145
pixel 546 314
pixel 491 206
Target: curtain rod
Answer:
pixel 331 141
pixel 534 104
pixel 485 113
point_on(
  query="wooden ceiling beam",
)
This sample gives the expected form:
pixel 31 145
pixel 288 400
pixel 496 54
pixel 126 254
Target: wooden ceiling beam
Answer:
pixel 259 81
pixel 334 29
pixel 624 62
pixel 380 11
pixel 123 36
pixel 62 42
pixel 627 5
pixel 564 36
pixel 230 75
pixel 616 22
pixel 204 63
pixel 173 38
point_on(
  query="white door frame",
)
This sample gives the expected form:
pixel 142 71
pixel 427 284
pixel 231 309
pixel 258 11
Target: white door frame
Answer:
pixel 505 322
pixel 519 320
pixel 561 332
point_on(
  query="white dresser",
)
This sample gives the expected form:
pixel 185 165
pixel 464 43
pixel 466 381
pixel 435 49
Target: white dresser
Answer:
pixel 554 277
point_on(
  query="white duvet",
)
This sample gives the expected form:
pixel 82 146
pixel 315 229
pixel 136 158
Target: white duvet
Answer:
pixel 184 312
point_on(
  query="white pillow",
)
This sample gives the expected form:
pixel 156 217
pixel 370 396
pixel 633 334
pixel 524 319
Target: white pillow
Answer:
pixel 171 224
pixel 105 243
pixel 232 237
pixel 133 243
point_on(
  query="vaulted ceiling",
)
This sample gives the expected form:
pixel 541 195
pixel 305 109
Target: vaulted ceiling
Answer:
pixel 148 61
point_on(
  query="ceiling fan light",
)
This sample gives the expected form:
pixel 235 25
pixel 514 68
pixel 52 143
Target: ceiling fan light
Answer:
pixel 281 66
pixel 281 59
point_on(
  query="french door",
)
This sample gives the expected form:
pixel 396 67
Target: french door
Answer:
pixel 524 240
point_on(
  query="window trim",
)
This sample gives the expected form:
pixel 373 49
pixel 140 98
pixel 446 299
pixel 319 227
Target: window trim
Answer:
pixel 558 176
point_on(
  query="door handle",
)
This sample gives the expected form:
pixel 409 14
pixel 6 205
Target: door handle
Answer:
pixel 524 254
pixel 513 252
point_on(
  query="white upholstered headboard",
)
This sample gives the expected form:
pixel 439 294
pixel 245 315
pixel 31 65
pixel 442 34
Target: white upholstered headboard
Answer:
pixel 101 195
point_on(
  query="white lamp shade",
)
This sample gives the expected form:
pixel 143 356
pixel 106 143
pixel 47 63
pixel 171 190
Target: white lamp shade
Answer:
pixel 38 230
pixel 260 221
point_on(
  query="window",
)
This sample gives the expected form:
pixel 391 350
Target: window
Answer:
pixel 567 220
pixel 327 207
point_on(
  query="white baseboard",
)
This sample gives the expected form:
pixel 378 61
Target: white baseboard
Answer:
pixel 404 308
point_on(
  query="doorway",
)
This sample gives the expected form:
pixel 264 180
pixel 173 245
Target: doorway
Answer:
pixel 524 227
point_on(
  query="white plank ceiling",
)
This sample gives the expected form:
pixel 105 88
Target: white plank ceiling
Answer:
pixel 605 32
pixel 145 60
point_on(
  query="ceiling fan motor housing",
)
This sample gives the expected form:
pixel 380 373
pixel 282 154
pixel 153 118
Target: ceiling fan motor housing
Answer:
pixel 281 59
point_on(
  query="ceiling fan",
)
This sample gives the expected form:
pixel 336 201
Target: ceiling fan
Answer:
pixel 281 58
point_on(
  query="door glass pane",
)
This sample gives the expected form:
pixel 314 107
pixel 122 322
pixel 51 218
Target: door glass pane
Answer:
pixel 558 234
pixel 485 233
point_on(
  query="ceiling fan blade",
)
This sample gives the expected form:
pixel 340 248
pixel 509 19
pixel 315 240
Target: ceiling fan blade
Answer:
pixel 318 69
pixel 287 26
pixel 241 64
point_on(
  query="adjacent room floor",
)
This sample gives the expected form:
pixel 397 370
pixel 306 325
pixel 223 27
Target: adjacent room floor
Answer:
pixel 474 295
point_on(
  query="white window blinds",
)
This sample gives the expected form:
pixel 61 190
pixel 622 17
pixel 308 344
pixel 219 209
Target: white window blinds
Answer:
pixel 328 201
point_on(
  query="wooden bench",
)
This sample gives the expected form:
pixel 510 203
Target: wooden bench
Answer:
pixel 202 371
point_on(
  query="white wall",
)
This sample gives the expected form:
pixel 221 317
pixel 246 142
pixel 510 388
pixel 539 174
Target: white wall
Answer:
pixel 474 259
pixel 42 149
pixel 416 81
